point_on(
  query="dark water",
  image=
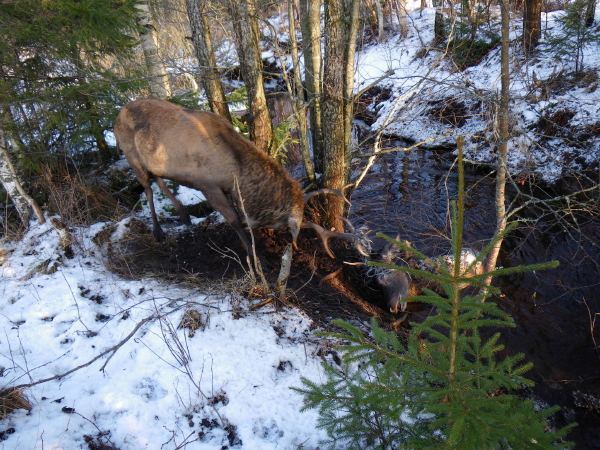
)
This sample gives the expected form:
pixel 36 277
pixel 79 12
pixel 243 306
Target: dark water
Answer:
pixel 554 310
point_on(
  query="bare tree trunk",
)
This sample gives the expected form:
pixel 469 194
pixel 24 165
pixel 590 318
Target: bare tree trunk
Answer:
pixel 380 28
pixel 159 81
pixel 590 13
pixel 351 28
pixel 532 25
pixel 310 25
pixel 439 35
pixel 245 25
pixel 402 17
pixel 208 74
pixel 13 187
pixel 503 136
pixel 298 97
pixel 340 18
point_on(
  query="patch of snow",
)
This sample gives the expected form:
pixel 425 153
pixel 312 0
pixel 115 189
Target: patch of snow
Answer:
pixel 160 387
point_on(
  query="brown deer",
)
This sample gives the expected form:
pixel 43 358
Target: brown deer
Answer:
pixel 203 151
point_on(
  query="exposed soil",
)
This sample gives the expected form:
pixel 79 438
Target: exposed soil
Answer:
pixel 323 287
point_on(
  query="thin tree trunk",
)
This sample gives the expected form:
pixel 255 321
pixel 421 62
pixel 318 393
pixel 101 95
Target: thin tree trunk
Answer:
pixel 297 100
pixel 159 81
pixel 439 35
pixel 532 25
pixel 590 13
pixel 339 60
pixel 245 25
pixel 503 136
pixel 310 25
pixel 13 187
pixel 351 29
pixel 466 9
pixel 380 29
pixel 402 18
pixel 208 74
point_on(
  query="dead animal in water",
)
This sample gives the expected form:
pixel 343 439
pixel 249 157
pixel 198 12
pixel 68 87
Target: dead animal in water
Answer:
pixel 203 151
pixel 394 283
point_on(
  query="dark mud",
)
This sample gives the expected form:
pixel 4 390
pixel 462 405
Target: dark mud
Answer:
pixel 323 287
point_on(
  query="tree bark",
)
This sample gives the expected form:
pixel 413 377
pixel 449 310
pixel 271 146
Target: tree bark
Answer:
pixel 341 17
pixel 402 17
pixel 298 97
pixel 503 136
pixel 590 13
pixel 380 28
pixel 532 25
pixel 159 81
pixel 310 25
pixel 13 187
pixel 208 75
pixel 439 35
pixel 245 25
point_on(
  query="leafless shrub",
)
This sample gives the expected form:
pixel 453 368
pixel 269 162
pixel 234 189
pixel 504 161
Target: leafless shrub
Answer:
pixel 78 200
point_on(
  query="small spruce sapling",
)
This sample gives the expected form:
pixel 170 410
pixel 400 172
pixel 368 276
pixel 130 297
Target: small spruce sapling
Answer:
pixel 573 35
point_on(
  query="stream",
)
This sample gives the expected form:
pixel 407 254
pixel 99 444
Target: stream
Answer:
pixel 554 310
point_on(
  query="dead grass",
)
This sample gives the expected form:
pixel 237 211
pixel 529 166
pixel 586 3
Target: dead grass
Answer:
pixel 78 199
pixel 11 400
pixel 192 320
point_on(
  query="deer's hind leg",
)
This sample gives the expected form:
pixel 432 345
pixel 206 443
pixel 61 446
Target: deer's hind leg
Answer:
pixel 181 211
pixel 145 180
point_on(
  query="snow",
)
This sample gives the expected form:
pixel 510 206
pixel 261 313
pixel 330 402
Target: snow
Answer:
pixel 239 369
pixel 422 80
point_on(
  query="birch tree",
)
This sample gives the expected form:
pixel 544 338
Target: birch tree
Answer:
pixel 14 188
pixel 158 79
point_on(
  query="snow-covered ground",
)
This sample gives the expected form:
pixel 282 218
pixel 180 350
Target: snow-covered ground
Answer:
pixel 425 82
pixel 160 388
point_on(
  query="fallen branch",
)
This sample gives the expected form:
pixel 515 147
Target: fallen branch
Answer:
pixel 112 350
